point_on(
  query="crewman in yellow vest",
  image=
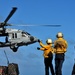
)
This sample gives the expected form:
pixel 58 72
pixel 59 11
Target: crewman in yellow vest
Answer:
pixel 60 45
pixel 48 55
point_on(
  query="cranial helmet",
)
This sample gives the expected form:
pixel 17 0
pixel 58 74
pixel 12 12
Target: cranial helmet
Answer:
pixel 49 41
pixel 59 35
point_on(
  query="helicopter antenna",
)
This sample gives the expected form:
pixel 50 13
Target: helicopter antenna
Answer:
pixel 11 13
pixel 6 57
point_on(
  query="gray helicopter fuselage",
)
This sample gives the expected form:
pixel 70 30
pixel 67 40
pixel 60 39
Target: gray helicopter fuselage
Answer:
pixel 14 38
pixel 18 36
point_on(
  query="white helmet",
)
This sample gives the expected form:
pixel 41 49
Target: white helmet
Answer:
pixel 59 35
pixel 49 41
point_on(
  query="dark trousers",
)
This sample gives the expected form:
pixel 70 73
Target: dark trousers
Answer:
pixel 59 59
pixel 48 64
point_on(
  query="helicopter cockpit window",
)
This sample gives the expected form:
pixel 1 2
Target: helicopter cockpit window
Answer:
pixel 25 33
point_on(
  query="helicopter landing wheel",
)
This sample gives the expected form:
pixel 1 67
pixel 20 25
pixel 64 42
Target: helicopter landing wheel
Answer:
pixel 14 49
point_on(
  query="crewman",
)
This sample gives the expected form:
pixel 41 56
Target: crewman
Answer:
pixel 60 45
pixel 48 55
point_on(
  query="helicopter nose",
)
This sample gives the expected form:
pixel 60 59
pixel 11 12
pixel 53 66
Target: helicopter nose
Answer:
pixel 31 38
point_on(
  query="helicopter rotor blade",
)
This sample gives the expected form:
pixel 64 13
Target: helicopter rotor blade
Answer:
pixel 10 14
pixel 36 25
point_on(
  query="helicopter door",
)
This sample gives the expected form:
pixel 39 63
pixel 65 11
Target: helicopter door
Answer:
pixel 13 36
pixel 19 35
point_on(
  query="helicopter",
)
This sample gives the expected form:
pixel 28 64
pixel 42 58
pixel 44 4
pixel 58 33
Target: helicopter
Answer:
pixel 14 38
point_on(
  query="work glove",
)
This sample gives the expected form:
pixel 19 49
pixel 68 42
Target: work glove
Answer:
pixel 39 40
pixel 38 48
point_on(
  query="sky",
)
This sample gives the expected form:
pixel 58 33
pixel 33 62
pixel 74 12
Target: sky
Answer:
pixel 39 12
